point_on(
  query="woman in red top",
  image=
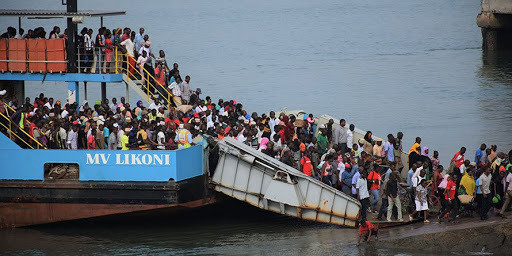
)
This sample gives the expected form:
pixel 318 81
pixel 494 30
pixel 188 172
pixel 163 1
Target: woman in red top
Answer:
pixel 449 194
pixel 108 51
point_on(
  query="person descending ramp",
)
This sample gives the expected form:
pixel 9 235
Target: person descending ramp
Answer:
pixel 253 177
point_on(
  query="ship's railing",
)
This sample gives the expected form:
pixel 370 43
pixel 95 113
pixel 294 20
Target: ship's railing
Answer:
pixel 94 60
pixel 9 125
pixel 134 70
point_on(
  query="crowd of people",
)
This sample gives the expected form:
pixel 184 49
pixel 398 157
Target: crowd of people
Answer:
pixel 369 169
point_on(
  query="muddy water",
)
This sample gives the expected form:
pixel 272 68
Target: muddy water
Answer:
pixel 414 66
pixel 232 229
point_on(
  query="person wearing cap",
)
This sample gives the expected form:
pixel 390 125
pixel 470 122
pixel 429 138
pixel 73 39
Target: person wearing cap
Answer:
pixel 378 149
pixel 321 140
pixel 183 137
pixel 145 46
pixel 125 141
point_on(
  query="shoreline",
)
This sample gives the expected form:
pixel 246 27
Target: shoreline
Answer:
pixel 465 237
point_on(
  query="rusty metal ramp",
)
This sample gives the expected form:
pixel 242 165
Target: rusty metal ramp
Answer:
pixel 253 177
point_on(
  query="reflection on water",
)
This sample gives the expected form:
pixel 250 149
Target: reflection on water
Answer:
pixel 228 229
pixel 495 99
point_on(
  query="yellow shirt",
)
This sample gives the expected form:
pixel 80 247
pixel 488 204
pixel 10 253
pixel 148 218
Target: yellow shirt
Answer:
pixel 144 135
pixel 124 142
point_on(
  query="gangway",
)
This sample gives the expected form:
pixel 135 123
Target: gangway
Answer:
pixel 262 181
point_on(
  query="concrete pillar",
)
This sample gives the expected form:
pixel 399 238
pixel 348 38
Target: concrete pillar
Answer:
pixel 85 90
pixel 73 92
pixel 496 27
pixel 127 93
pixel 489 39
pixel 103 91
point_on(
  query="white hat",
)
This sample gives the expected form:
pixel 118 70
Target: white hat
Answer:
pixel 162 123
pixel 3 92
pixel 322 126
pixel 181 126
pixel 101 118
pixel 116 125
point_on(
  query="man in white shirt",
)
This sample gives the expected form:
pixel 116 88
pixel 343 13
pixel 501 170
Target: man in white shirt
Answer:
pixel 185 90
pixel 49 104
pixel 362 192
pixel 129 45
pixel 139 37
pixel 160 138
pixel 120 134
pixel 350 136
pixel 73 138
pixel 20 34
pixel 340 136
pixel 155 105
pixel 485 187
pixel 272 121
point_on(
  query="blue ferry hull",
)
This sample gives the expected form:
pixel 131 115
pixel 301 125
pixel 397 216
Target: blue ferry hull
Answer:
pixel 104 182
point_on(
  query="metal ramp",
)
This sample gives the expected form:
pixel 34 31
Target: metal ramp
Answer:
pixel 135 87
pixel 260 180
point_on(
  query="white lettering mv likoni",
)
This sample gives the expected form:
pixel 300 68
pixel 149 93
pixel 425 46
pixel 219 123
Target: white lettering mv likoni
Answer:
pixel 129 159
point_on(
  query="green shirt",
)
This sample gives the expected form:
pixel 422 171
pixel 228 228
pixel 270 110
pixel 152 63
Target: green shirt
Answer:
pixel 322 143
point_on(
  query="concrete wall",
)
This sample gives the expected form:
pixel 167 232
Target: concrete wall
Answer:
pixel 497 6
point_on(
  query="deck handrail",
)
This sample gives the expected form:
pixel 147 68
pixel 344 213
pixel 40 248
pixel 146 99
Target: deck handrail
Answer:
pixel 11 132
pixel 145 72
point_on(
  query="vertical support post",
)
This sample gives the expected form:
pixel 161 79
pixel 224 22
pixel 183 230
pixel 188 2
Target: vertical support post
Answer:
pixel 71 43
pixel 103 91
pixel 101 21
pixel 127 93
pixel 19 24
pixel 73 92
pixel 85 90
pixel 116 61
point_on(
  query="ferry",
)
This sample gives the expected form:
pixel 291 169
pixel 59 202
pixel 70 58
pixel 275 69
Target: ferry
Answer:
pixel 40 186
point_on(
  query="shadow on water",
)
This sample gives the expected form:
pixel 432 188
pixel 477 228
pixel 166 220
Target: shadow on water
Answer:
pixel 227 228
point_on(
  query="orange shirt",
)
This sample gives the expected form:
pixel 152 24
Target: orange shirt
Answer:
pixel 302 147
pixel 307 167
pixel 362 229
pixel 375 177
